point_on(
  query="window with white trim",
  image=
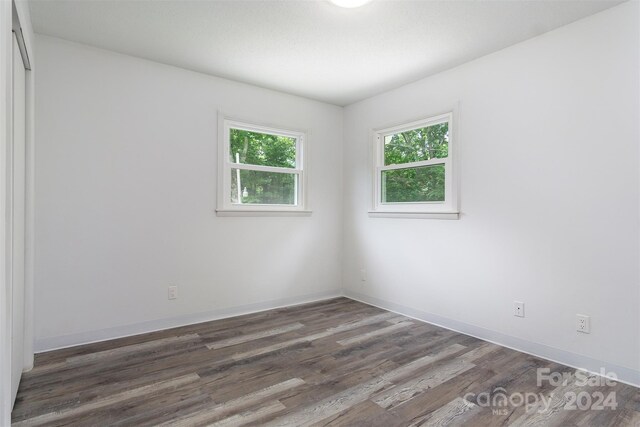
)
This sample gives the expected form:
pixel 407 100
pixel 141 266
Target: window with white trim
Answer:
pixel 414 165
pixel 262 168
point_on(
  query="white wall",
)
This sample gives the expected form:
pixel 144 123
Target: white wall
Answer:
pixel 549 135
pixel 126 170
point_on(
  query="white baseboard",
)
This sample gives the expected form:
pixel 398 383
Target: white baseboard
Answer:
pixel 71 340
pixel 624 374
pixel 578 361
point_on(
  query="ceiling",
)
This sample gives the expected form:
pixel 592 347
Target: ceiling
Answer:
pixel 309 48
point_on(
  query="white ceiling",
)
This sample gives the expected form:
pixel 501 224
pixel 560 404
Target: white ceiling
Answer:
pixel 309 48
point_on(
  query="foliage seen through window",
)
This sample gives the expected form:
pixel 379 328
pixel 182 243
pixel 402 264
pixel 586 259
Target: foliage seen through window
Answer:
pixel 262 187
pixel 415 184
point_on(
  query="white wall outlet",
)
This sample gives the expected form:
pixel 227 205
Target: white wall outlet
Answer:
pixel 518 309
pixel 173 292
pixel 363 275
pixel 583 323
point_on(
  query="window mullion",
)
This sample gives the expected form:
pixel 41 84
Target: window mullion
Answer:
pixel 412 165
pixel 261 168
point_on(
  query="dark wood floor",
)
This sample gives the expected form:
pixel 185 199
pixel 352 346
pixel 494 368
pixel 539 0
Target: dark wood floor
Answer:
pixel 335 362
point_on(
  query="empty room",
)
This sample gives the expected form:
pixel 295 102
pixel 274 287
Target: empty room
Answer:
pixel 320 213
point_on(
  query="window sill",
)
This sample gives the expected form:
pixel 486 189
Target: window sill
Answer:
pixel 415 215
pixel 257 212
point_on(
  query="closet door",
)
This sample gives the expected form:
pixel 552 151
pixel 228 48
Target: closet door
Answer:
pixel 16 204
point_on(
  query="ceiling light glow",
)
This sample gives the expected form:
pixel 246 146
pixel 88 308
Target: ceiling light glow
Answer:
pixel 350 3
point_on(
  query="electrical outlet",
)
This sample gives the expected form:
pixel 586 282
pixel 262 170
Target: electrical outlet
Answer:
pixel 518 309
pixel 583 323
pixel 173 292
pixel 363 275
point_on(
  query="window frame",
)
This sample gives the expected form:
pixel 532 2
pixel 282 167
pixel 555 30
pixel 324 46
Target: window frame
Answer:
pixel 225 167
pixel 447 209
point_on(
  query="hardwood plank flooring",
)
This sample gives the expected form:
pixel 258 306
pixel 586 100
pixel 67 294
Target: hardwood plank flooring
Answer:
pixel 330 363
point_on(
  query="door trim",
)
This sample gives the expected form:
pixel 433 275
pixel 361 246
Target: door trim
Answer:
pixel 9 10
pixel 17 30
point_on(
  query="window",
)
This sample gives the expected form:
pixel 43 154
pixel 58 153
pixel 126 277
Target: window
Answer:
pixel 262 169
pixel 414 173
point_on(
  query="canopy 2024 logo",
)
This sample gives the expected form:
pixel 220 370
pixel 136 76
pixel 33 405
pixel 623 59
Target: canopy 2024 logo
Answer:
pixel 571 392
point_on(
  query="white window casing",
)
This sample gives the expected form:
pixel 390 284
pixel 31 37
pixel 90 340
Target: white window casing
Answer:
pixel 447 209
pixel 225 207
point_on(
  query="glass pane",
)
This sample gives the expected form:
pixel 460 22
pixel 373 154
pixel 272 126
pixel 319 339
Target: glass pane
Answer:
pixel 431 142
pixel 422 184
pixel 263 188
pixel 253 148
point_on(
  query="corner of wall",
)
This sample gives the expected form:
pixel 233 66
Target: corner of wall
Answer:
pixel 618 373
